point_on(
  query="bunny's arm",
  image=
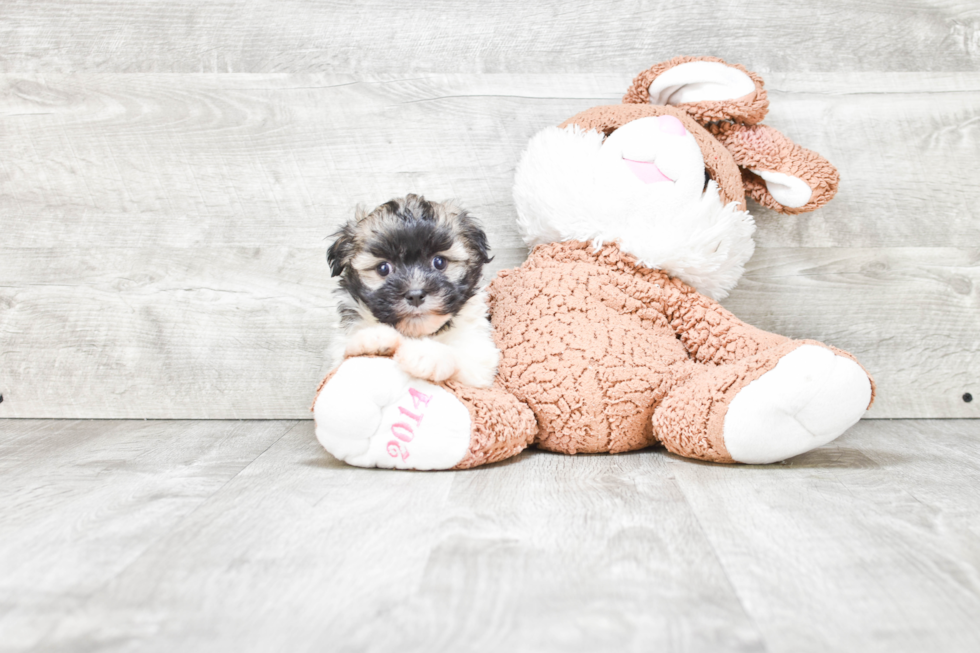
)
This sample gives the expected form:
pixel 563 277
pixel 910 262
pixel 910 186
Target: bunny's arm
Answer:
pixel 709 332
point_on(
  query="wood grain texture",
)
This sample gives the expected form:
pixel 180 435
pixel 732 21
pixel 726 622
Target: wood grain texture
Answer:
pixel 247 536
pixel 242 333
pixel 873 541
pixel 259 160
pixel 163 235
pixel 82 501
pixel 911 315
pixel 166 332
pixel 386 36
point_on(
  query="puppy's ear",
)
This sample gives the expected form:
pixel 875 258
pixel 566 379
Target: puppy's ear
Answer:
pixel 476 238
pixel 340 253
pixel 464 226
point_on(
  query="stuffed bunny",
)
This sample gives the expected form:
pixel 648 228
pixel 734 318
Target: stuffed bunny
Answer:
pixel 610 334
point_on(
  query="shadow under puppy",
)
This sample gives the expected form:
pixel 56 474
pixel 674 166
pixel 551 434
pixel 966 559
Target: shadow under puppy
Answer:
pixel 410 275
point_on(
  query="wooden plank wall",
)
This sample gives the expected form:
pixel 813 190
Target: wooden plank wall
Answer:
pixel 170 170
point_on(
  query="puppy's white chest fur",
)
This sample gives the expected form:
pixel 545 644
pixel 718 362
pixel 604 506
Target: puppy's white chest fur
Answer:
pixel 464 352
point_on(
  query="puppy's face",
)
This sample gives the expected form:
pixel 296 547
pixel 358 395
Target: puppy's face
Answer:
pixel 412 263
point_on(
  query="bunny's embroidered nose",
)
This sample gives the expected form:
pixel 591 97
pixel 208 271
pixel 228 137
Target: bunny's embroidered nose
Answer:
pixel 671 125
pixel 646 171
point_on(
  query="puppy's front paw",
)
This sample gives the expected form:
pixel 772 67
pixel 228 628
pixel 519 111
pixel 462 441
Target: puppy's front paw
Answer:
pixel 426 359
pixel 380 340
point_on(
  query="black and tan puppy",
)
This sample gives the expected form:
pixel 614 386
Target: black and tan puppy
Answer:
pixel 410 287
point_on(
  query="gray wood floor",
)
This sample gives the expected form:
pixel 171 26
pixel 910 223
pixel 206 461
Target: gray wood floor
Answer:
pixel 246 536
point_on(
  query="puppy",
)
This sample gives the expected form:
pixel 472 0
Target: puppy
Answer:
pixel 409 287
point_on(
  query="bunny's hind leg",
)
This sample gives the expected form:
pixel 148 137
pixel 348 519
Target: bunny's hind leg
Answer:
pixel 370 413
pixel 765 408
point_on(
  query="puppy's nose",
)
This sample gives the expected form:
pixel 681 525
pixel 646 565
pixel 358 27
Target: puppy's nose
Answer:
pixel 415 297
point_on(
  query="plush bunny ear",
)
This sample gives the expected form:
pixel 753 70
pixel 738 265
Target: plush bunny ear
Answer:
pixel 777 172
pixel 708 88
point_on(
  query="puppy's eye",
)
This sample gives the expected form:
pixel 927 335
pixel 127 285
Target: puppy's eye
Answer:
pixel 439 263
pixel 384 269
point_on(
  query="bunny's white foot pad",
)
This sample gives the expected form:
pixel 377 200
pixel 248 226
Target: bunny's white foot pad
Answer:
pixel 809 398
pixel 372 414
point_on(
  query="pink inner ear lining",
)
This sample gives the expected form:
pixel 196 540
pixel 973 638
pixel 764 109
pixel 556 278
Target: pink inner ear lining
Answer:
pixel 671 125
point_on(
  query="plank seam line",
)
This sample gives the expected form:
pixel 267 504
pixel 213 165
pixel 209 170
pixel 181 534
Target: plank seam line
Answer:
pixel 721 564
pixel 491 95
pixel 859 93
pixel 175 528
